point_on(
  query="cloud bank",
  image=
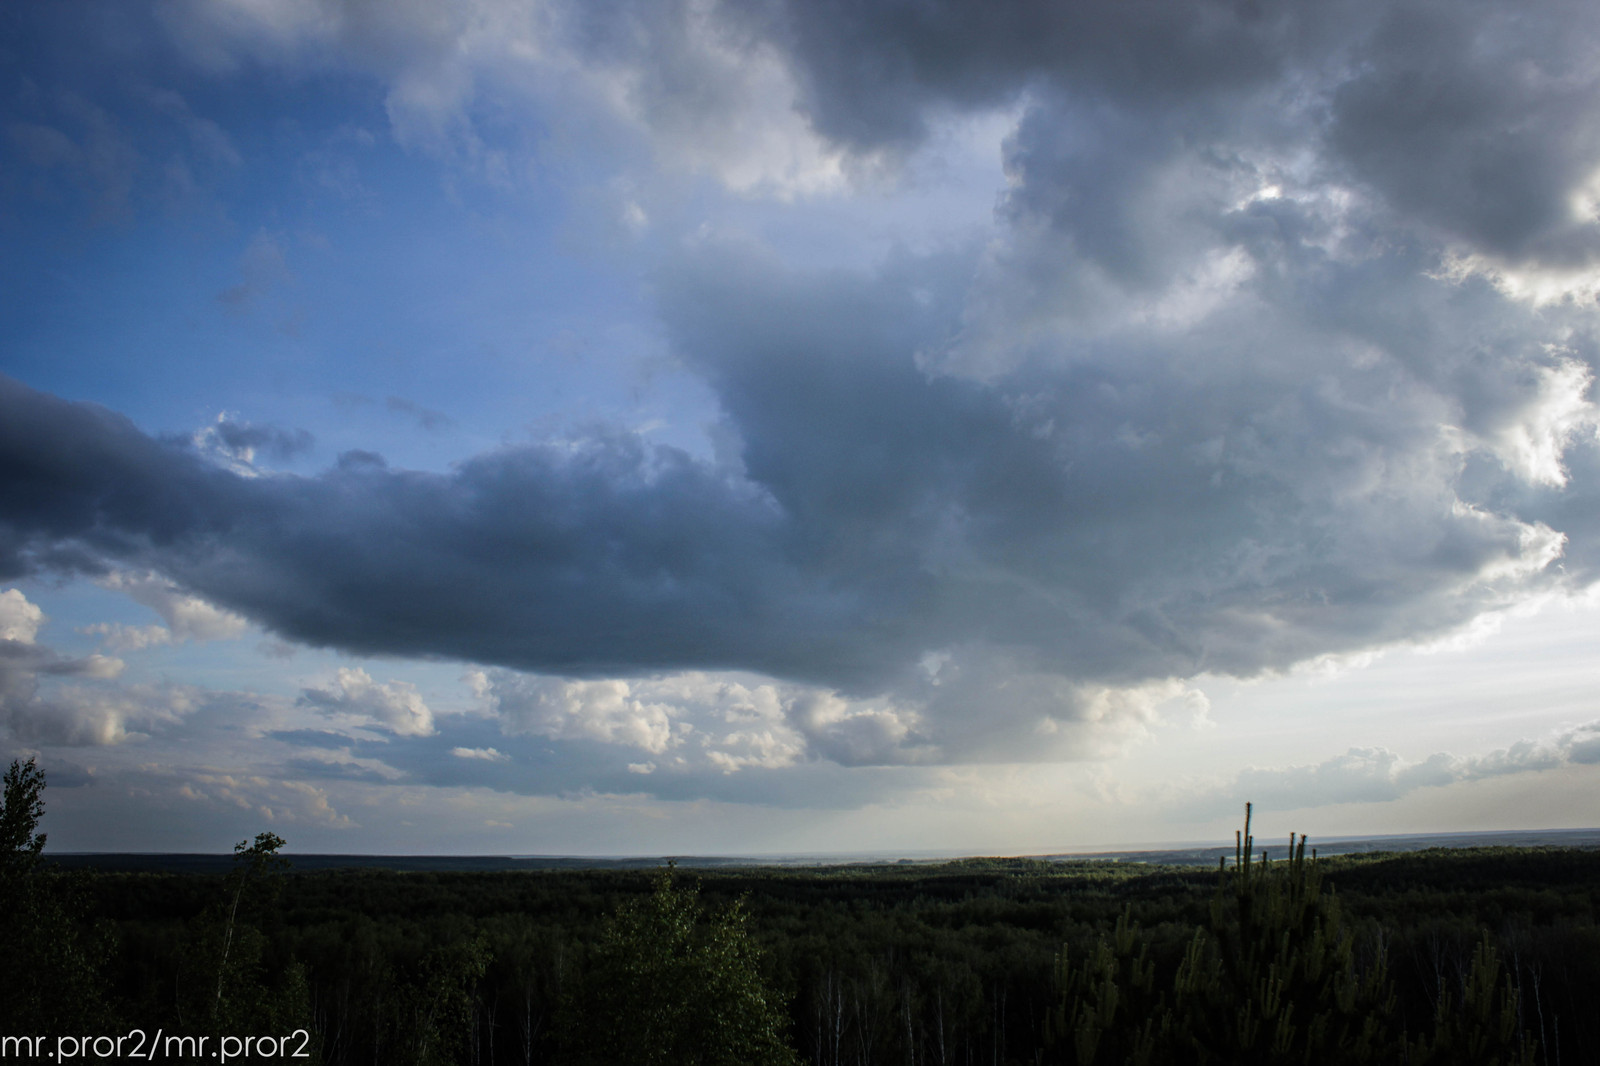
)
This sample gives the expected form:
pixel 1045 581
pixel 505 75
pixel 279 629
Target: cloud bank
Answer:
pixel 1376 775
pixel 1281 345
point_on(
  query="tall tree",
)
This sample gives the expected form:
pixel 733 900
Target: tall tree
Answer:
pixel 19 817
pixel 234 977
pixel 49 981
pixel 670 983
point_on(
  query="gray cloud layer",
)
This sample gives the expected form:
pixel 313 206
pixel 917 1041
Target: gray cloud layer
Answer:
pixel 1244 377
pixel 50 698
pixel 1376 775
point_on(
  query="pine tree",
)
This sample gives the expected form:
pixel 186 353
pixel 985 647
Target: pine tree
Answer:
pixel 1274 978
pixel 1277 979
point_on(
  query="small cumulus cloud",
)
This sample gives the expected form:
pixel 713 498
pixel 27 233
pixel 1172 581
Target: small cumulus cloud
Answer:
pixel 766 748
pixel 19 619
pixel 395 706
pixel 484 754
pixel 236 444
pixel 119 637
pixel 854 734
pixel 50 698
pixel 47 698
pixel 705 720
pixel 607 711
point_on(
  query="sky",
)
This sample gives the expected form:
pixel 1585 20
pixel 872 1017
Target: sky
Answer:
pixel 798 426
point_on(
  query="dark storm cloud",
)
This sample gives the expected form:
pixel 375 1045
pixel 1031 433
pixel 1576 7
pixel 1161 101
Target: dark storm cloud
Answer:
pixel 82 484
pixel 1215 397
pixel 1479 117
pixel 1174 505
pixel 1158 505
pixel 874 74
pixel 602 554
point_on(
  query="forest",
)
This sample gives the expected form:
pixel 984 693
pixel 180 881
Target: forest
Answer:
pixel 1483 955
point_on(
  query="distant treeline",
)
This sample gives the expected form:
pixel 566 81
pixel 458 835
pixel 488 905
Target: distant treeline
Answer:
pixel 1478 956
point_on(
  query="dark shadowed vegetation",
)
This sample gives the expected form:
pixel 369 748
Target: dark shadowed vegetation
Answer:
pixel 1463 956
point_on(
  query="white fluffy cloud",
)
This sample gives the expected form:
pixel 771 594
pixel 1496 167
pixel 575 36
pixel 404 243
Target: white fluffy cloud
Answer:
pixel 854 734
pixel 725 722
pixel 396 706
pixel 963 711
pixel 607 711
pixel 188 617
pixel 19 619
pixel 119 637
pixel 50 698
pixel 83 715
pixel 483 754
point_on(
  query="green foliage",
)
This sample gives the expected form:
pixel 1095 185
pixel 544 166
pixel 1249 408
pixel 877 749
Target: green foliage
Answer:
pixel 436 1010
pixel 1111 1009
pixel 1274 977
pixel 228 981
pixel 915 964
pixel 1483 1026
pixel 50 980
pixel 251 863
pixel 1277 980
pixel 669 984
pixel 19 817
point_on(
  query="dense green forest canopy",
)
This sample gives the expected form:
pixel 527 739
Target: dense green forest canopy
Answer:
pixel 949 962
pixel 1459 956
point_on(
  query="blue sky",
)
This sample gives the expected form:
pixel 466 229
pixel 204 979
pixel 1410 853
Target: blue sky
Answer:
pixel 761 426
